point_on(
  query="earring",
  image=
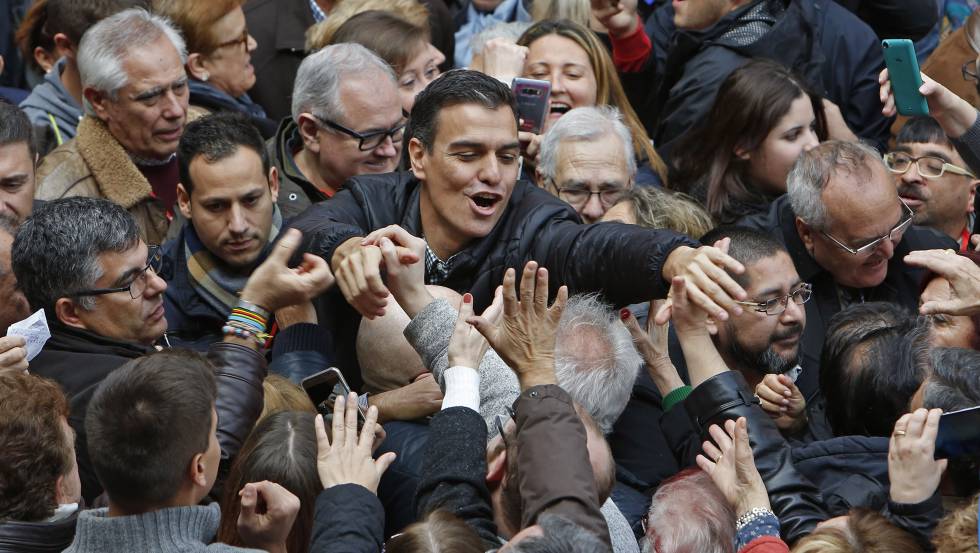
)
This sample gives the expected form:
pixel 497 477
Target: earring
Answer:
pixel 205 77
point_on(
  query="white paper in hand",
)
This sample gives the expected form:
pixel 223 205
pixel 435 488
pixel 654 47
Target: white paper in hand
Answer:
pixel 34 330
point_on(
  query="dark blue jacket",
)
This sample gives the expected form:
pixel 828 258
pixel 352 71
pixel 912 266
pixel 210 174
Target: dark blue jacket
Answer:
pixel 837 53
pixel 191 322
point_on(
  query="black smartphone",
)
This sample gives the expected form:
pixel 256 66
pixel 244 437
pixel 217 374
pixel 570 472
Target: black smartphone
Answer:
pixel 532 103
pixel 959 434
pixel 323 389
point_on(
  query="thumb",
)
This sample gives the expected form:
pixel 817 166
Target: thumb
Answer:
pixel 935 306
pixel 484 327
pixel 249 500
pixel 285 247
pixel 385 461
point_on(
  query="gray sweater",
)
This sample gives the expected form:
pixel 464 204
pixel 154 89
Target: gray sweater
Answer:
pixel 429 333
pixel 179 529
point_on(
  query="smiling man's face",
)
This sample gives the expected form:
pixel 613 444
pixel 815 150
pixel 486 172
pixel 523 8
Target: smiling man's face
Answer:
pixel 468 175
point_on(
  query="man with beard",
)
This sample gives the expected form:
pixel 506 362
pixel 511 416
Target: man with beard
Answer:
pixel 933 179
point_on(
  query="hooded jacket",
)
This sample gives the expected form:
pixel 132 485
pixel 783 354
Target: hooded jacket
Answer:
pixel 296 192
pixel 51 106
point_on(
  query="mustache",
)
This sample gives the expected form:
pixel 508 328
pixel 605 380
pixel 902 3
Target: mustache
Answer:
pixel 793 331
pixel 911 192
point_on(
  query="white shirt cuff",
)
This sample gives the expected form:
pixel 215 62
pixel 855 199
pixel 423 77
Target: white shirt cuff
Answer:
pixel 462 388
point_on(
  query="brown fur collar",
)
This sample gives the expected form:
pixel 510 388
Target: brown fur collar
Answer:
pixel 118 177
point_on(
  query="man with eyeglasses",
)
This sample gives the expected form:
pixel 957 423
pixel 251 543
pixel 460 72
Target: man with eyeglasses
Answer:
pixel 587 160
pixel 135 90
pixel 347 120
pixel 933 180
pixel 83 262
pixel 846 229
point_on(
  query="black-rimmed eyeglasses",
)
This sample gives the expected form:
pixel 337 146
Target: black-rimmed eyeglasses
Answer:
pixel 371 140
pixel 136 287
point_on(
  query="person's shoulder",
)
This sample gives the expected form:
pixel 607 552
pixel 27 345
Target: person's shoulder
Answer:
pixel 535 206
pixel 927 238
pixel 63 172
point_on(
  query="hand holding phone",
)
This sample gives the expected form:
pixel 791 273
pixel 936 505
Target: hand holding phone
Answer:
pixel 913 472
pixel 532 103
pixel 323 389
pixel 903 72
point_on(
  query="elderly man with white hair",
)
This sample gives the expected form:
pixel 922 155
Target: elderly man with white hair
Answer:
pixel 587 160
pixel 135 90
pixel 347 121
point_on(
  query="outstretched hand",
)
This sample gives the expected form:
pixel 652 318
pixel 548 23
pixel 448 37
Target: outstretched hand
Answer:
pixel 347 460
pixel 953 113
pixel 467 346
pixel 913 471
pixel 709 284
pixel 730 464
pixel 273 285
pixel 963 276
pixel 525 339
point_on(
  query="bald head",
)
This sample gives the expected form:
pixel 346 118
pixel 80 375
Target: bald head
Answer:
pixel 387 360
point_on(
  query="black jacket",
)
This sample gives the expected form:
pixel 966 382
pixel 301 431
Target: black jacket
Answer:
pixel 837 53
pixel 279 28
pixel 79 361
pixel 911 19
pixel 623 262
pixel 191 322
pixel 37 537
pixel 901 285
pixel 348 519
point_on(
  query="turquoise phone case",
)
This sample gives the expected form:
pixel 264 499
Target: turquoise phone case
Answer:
pixel 903 72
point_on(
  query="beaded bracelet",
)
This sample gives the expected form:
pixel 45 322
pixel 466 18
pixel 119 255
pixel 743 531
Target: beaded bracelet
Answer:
pixel 751 515
pixel 248 328
pixel 259 338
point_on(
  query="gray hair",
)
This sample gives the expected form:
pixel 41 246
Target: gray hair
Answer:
pixel 56 250
pixel 813 170
pixel 512 31
pixel 689 513
pixel 955 380
pixel 595 361
pixel 104 48
pixel 585 124
pixel 317 86
pixel 561 535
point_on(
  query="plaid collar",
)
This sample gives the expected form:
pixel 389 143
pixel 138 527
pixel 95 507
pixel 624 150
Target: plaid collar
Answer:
pixel 436 270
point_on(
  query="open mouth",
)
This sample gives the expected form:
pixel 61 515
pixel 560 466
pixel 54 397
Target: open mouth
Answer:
pixel 559 108
pixel 485 202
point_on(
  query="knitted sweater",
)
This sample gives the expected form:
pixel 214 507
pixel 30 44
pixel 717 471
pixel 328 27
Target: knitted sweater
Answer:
pixel 179 529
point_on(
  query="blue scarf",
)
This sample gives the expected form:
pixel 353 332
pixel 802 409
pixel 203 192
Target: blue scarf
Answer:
pixel 505 12
pixel 203 94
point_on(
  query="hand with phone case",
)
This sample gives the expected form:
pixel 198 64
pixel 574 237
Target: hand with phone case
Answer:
pixel 905 77
pixel 913 471
pixel 345 456
pixel 954 114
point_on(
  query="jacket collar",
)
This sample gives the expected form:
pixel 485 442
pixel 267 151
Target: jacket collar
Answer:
pixel 38 537
pixel 286 162
pixel 77 340
pixel 119 180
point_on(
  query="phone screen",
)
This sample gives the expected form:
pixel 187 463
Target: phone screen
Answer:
pixel 959 434
pixel 323 389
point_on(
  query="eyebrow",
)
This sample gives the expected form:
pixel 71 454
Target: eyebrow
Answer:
pixel 128 276
pixel 17 177
pixel 158 90
pixel 475 144
pixel 256 190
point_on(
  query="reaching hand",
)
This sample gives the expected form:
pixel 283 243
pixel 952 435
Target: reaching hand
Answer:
pixel 526 339
pixel 357 265
pixel 709 285
pixel 419 399
pixel 617 16
pixel 651 343
pixel 730 464
pixel 912 471
pixel 783 401
pixel 467 346
pixel 953 113
pixel 402 255
pixel 503 59
pixel 273 285
pixel 963 276
pixel 348 459
pixel 267 515
pixel 13 354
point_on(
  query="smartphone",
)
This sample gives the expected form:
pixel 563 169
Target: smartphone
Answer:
pixel 959 434
pixel 323 389
pixel 903 72
pixel 532 103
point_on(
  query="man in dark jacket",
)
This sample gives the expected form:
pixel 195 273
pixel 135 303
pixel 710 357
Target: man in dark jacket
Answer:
pixel 847 231
pixel 228 195
pixel 695 47
pixel 82 261
pixel 477 220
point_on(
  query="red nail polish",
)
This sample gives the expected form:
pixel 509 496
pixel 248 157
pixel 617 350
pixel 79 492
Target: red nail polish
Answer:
pixel 624 314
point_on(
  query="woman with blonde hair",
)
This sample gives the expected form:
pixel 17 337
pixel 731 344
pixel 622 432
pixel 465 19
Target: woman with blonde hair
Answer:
pixel 581 73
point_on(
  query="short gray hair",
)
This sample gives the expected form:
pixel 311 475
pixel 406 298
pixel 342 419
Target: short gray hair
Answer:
pixel 56 250
pixel 104 48
pixel 689 513
pixel 317 86
pixel 813 169
pixel 595 361
pixel 512 31
pixel 585 124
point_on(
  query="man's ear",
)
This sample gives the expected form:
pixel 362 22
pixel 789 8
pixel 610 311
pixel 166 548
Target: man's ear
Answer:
pixel 308 130
pixel 497 469
pixel 970 208
pixel 274 183
pixel 806 234
pixel 416 156
pixel 198 470
pixel 64 45
pixel 67 312
pixel 184 201
pixel 99 101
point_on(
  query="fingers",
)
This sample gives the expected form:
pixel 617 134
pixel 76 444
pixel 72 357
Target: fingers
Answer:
pixel 767 394
pixel 285 246
pixel 510 294
pixel 249 495
pixel 916 423
pixel 368 431
pixel 350 421
pixel 664 314
pixel 721 437
pixel 486 329
pixel 337 423
pixel 322 440
pixel 541 290
pixel 743 449
pixel 14 359
pixel 527 284
pixel 382 463
pixel 931 426
pixel 394 233
pixel 711 451
pixel 558 307
pixel 493 312
pixel 705 464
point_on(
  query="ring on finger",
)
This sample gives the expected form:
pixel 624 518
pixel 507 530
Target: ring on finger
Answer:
pixel 899 432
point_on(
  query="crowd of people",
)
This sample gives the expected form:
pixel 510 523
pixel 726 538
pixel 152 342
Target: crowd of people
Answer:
pixel 301 276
